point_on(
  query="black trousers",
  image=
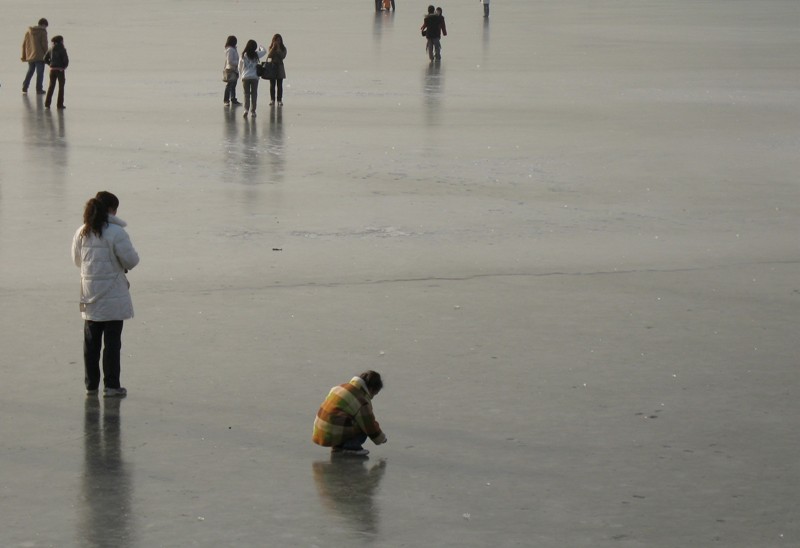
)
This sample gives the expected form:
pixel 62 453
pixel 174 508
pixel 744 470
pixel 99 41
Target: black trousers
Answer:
pixel 60 77
pixel 94 335
pixel 278 82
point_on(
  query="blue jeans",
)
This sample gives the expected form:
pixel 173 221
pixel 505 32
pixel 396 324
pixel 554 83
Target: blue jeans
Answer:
pixel 230 91
pixel 94 334
pixel 37 66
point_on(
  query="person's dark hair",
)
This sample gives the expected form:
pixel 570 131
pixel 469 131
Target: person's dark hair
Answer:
pixel 95 214
pixel 43 22
pixel 431 9
pixel 250 50
pixel 373 380
pixel 57 39
pixel 277 40
pixel 231 42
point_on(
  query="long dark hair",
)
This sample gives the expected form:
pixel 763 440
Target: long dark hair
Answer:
pixel 231 42
pixel 250 50
pixel 95 214
pixel 277 40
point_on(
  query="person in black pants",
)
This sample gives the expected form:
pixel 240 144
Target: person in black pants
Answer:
pixel 275 55
pixel 58 60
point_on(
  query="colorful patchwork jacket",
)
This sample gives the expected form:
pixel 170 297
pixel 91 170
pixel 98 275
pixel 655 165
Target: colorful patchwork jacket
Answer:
pixel 345 414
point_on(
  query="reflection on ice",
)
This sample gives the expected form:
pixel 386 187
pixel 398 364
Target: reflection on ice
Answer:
pixel 347 488
pixel 106 485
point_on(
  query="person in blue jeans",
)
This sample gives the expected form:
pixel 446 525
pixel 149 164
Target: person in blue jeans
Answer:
pixel 34 48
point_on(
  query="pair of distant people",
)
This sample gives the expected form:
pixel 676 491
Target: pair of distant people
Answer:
pixel 433 28
pixel 384 4
pixel 35 52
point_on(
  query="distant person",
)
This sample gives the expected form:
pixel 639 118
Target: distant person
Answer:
pixel 345 420
pixel 58 60
pixel 432 30
pixel 103 251
pixel 378 4
pixel 231 71
pixel 249 74
pixel 276 54
pixel 443 25
pixel 485 7
pixel 34 48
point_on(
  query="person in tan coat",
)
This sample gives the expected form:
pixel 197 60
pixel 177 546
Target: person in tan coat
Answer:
pixel 34 48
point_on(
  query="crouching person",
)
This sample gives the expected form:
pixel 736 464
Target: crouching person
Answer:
pixel 345 419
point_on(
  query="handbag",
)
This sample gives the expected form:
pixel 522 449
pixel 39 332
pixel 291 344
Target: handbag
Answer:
pixel 229 75
pixel 267 71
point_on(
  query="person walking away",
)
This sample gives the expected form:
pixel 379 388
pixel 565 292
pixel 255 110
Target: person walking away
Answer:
pixel 231 71
pixel 485 7
pixel 58 60
pixel 34 48
pixel 345 419
pixel 431 30
pixel 103 251
pixel 249 74
pixel 276 55
pixel 443 25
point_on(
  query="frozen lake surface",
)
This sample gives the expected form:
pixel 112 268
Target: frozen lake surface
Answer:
pixel 571 248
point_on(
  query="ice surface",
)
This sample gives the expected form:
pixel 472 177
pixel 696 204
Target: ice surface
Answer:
pixel 571 248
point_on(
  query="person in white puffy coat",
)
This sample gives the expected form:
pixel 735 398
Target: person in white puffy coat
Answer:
pixel 103 251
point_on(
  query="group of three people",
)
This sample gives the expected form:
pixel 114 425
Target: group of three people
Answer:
pixel 246 69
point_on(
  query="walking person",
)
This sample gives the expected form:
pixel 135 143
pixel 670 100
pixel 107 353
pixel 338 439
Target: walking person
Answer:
pixel 276 55
pixel 485 7
pixel 34 48
pixel 248 72
pixel 432 30
pixel 58 60
pixel 231 72
pixel 442 24
pixel 103 251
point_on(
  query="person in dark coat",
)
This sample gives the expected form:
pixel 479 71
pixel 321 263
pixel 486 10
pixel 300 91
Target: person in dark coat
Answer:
pixel 58 60
pixel 276 54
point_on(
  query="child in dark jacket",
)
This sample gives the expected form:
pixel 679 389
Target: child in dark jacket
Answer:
pixel 345 419
pixel 58 60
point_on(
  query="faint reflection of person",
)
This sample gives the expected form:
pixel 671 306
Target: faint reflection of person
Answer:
pixel 58 60
pixel 34 48
pixel 276 55
pixel 347 487
pixel 432 31
pixel 485 7
pixel 106 486
pixel 249 74
pixel 103 251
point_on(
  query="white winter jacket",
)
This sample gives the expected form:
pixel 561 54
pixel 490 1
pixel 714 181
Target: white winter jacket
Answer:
pixel 247 66
pixel 103 262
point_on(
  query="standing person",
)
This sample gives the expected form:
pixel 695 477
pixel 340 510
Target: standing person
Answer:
pixel 378 5
pixel 58 60
pixel 432 31
pixel 276 55
pixel 231 71
pixel 485 7
pixel 249 74
pixel 345 419
pixel 441 21
pixel 103 251
pixel 34 48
